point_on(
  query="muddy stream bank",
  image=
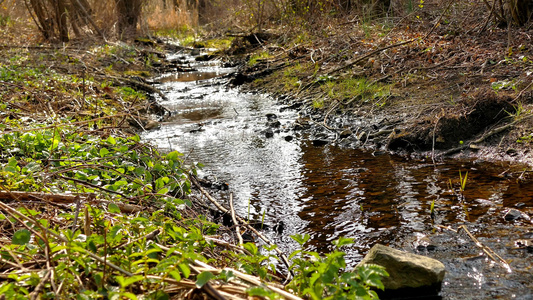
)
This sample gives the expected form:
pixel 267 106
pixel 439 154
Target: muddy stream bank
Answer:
pixel 254 147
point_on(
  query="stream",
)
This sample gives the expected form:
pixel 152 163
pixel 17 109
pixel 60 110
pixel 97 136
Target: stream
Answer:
pixel 277 174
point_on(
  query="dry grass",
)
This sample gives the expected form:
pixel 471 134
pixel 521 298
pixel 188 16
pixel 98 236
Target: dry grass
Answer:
pixel 157 17
pixel 105 15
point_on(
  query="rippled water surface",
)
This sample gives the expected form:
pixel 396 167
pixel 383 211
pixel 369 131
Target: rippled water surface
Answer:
pixel 330 191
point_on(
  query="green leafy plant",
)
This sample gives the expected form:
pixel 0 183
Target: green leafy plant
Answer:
pixel 326 277
pixel 255 262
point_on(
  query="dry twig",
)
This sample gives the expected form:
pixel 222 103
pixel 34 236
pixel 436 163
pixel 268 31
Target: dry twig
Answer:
pixel 284 258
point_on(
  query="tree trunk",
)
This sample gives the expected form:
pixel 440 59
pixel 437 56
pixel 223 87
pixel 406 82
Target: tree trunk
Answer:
pixel 202 12
pixel 128 16
pixel 192 7
pixel 175 4
pixel 519 11
pixel 61 20
pixel 45 24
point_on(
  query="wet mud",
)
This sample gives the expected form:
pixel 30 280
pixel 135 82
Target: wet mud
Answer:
pixel 454 125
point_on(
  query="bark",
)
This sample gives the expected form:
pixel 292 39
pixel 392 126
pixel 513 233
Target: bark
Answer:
pixel 44 23
pixel 128 16
pixel 519 11
pixel 55 17
pixel 61 19
pixel 174 3
pixel 202 12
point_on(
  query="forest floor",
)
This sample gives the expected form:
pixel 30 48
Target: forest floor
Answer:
pixel 461 88
pixel 86 206
pixel 439 82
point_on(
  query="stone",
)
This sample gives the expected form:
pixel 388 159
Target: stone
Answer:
pixel 512 215
pixel 345 133
pixel 271 117
pixel 273 124
pixel 195 52
pixel 268 133
pixel 151 124
pixel 319 142
pixel 406 270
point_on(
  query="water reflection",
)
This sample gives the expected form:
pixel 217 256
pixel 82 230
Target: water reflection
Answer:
pixel 328 191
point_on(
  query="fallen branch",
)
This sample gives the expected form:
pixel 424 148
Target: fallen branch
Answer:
pixel 255 281
pixel 225 244
pixel 133 83
pixel 237 228
pixel 35 294
pixel 369 54
pixel 64 199
pixel 244 277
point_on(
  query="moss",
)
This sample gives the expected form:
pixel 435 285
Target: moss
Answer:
pixel 258 56
pixel 141 73
pixel 318 103
pixel 350 89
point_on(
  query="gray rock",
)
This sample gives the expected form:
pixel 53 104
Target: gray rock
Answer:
pixel 273 124
pixel 406 270
pixel 345 133
pixel 512 214
pixel 271 117
pixel 151 124
pixel 268 132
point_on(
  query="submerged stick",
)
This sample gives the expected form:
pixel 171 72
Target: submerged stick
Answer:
pixel 490 253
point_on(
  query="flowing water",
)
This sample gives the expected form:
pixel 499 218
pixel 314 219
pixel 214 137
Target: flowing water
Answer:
pixel 276 174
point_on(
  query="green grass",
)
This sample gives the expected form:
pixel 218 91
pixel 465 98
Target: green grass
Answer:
pixel 349 89
pixel 258 56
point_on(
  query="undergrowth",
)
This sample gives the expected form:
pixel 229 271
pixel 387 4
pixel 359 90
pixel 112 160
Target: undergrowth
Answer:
pixel 89 211
pixel 95 247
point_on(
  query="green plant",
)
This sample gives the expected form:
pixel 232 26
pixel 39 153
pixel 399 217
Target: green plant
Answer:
pixel 258 56
pixel 519 111
pixel 318 103
pixel 525 139
pixel 117 167
pixel 462 181
pixel 503 85
pixel 348 90
pixel 326 277
pixel 255 262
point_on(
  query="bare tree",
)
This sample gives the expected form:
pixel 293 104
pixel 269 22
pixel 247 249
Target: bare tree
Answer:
pixel 55 17
pixel 128 16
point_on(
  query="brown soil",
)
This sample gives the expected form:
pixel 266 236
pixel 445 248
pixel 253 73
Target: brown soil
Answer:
pixel 457 91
